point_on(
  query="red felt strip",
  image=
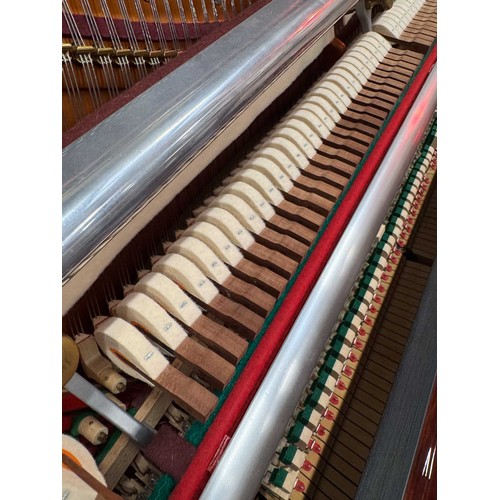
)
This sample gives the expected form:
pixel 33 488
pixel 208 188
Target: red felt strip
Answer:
pixel 226 422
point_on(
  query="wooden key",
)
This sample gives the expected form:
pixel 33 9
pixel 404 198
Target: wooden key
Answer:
pixel 211 235
pixel 174 300
pixel 189 277
pixel 131 352
pixel 242 238
pixel 214 268
pixel 143 312
pixel 251 221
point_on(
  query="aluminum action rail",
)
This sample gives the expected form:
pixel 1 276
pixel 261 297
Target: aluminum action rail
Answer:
pixel 112 172
pixel 243 464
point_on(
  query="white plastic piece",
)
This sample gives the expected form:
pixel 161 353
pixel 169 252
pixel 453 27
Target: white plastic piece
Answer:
pixel 187 275
pixel 241 210
pixel 170 296
pixel 117 336
pixel 141 310
pixel 229 225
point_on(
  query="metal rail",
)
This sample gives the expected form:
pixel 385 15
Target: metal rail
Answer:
pixel 112 171
pixel 244 463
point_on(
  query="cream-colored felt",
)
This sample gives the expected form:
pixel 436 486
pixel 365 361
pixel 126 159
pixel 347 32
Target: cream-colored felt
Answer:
pixel 314 419
pixel 410 197
pixel 303 127
pixel 331 380
pixel 399 223
pixel 187 275
pixel 345 351
pixel 409 5
pixel 289 482
pixel 229 225
pixel 298 138
pixel 419 176
pixel 387 248
pixel 334 93
pixel 387 27
pixel 170 296
pixel 216 240
pixel 323 402
pixel 356 322
pixel 368 295
pixel 289 148
pixel 281 159
pixel 366 49
pixel 202 256
pixel 378 40
pixel 346 80
pixel 245 189
pixel 401 14
pixel 362 309
pixel 356 69
pixel 298 460
pixel 270 170
pixel 337 369
pixel 316 105
pixel 365 57
pixel 305 437
pixel 360 62
pixel 74 488
pixel 377 50
pixel 139 309
pixel 315 117
pixel 407 205
pixel 378 273
pixel 382 262
pixel 322 98
pixel 270 162
pixel 116 334
pixel 241 210
pixel 350 336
